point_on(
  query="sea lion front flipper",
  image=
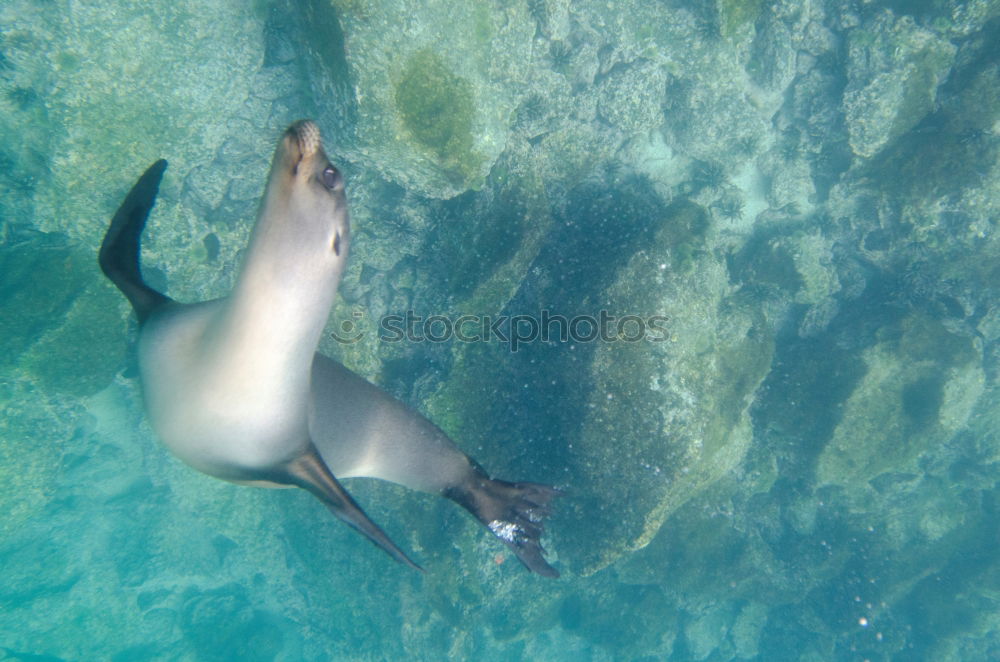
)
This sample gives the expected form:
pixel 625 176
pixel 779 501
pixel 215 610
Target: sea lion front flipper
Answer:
pixel 119 255
pixel 310 473
pixel 513 512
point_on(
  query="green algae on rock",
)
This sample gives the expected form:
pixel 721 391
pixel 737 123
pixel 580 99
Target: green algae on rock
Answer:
pixel 436 107
pixel 434 96
pixel 734 14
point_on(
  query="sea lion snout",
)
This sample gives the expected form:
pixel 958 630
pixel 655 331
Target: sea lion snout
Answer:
pixel 307 137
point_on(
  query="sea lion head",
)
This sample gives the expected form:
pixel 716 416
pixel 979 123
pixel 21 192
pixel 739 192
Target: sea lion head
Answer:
pixel 305 202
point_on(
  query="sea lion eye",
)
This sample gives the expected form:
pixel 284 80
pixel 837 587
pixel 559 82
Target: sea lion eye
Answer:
pixel 332 178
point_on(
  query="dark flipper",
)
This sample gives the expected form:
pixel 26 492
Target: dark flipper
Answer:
pixel 513 512
pixel 310 473
pixel 119 256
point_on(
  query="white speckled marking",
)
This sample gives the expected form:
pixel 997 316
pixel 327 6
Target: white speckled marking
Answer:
pixel 505 530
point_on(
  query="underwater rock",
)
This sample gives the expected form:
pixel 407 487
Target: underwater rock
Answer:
pixel 30 435
pixel 894 69
pixel 919 390
pixel 194 65
pixel 737 15
pixel 970 16
pixel 59 315
pixel 433 97
pixel 772 57
pixel 222 623
pixel 706 112
pixel 632 99
pixel 814 263
pixel 747 629
pixel 706 632
pixel 651 419
pixel 790 185
pixel 681 404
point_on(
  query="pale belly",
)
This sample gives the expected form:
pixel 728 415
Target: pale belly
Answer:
pixel 223 413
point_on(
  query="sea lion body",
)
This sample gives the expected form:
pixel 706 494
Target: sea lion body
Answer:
pixel 210 407
pixel 227 382
pixel 234 386
pixel 371 434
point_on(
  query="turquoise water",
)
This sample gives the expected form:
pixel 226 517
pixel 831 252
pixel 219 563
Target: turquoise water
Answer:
pixel 761 240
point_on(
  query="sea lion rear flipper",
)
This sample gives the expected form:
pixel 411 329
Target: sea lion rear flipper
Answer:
pixel 119 256
pixel 310 472
pixel 513 512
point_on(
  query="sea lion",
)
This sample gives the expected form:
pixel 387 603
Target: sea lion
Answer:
pixel 234 387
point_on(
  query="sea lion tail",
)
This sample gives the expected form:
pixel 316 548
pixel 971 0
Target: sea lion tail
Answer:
pixel 513 512
pixel 119 256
